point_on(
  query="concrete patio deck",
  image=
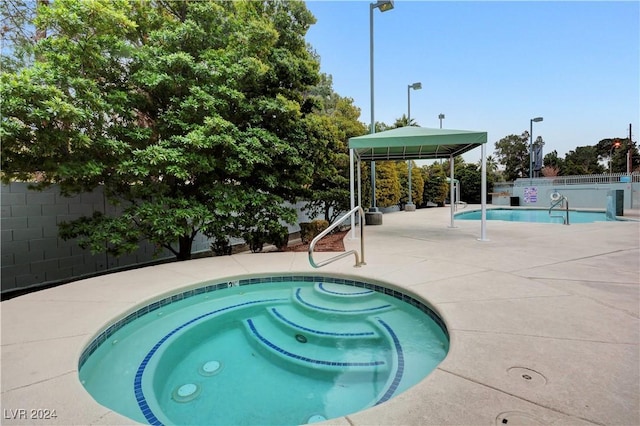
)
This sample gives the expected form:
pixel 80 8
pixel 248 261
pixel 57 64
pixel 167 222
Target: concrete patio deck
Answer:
pixel 562 302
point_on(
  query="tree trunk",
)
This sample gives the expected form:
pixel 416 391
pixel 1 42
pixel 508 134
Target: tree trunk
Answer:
pixel 184 252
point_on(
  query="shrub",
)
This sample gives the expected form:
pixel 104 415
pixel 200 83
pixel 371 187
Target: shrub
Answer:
pixel 310 230
pixel 221 246
pixel 280 238
pixel 256 240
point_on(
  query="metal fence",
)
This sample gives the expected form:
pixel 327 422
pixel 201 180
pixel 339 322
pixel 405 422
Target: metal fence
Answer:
pixel 574 180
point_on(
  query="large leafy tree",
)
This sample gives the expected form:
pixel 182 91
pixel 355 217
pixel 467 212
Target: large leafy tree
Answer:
pixel 513 153
pixel 417 182
pixel 616 151
pixel 191 115
pixel 387 184
pixel 582 161
pixel 334 122
pixel 436 186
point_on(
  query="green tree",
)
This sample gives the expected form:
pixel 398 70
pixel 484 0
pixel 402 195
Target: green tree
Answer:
pixel 191 115
pixel 18 32
pixel 582 161
pixel 417 182
pixel 387 184
pixel 513 152
pixel 470 178
pixel 607 147
pixel 404 121
pixel 336 120
pixel 436 187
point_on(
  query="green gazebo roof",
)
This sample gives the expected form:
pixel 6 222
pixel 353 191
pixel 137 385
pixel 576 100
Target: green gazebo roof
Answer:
pixel 406 143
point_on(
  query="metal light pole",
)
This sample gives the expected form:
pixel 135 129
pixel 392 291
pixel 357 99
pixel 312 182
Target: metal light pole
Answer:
pixel 616 144
pixel 537 120
pixel 441 117
pixel 409 207
pixel 383 5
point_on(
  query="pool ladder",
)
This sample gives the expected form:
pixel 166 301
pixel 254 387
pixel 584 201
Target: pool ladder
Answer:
pixel 557 198
pixel 359 258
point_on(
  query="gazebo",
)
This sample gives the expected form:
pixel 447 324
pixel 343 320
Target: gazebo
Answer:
pixel 418 143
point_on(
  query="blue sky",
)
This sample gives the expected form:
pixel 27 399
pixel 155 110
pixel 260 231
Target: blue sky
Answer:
pixel 490 66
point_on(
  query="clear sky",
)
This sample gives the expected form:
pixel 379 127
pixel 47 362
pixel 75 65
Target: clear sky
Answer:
pixel 490 66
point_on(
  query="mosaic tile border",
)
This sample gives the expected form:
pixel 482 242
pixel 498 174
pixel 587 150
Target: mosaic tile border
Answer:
pixel 109 331
pixel 399 370
pixel 342 293
pixel 321 308
pixel 282 318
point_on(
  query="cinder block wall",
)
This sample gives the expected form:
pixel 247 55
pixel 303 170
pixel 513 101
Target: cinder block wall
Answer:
pixel 32 253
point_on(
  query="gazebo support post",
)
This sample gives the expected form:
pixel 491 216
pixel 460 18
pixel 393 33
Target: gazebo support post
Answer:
pixel 451 190
pixel 353 195
pixel 483 195
pixel 359 182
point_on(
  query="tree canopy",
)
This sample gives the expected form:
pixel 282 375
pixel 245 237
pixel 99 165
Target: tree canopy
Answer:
pixel 193 116
pixel 513 153
pixel 335 122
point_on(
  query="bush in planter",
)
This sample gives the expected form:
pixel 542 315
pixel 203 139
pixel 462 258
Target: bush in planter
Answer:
pixel 256 239
pixel 310 230
pixel 280 238
pixel 221 246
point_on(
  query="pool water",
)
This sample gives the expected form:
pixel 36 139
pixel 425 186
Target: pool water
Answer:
pixel 289 352
pixel 534 215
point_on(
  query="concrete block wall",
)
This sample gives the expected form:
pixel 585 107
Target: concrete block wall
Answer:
pixel 32 254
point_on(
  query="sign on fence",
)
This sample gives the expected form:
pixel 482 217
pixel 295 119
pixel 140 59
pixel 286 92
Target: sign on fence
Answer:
pixel 531 194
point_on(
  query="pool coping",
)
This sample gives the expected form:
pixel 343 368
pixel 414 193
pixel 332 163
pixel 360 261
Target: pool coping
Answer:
pixel 521 300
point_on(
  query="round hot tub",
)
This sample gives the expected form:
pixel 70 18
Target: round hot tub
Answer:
pixel 280 350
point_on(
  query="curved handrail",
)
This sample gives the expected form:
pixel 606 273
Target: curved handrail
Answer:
pixel 556 199
pixel 359 262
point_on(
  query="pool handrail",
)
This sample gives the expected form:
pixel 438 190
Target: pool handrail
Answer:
pixel 359 259
pixel 557 198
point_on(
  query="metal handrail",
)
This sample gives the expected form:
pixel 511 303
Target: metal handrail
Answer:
pixel 558 201
pixel 359 262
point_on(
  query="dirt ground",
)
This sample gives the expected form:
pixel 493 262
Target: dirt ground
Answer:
pixel 332 242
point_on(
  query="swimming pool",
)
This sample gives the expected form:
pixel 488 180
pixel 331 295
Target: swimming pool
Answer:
pixel 534 215
pixel 291 350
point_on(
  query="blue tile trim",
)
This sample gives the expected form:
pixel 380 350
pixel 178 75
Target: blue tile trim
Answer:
pixel 306 359
pixel 400 367
pixel 323 333
pixel 342 293
pixel 104 336
pixel 322 308
pixel 137 383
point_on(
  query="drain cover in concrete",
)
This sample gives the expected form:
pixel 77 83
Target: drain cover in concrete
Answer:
pixel 513 418
pixel 528 376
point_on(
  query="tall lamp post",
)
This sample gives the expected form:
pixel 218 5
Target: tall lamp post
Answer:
pixel 537 120
pixel 410 207
pixel 383 5
pixel 615 144
pixel 441 117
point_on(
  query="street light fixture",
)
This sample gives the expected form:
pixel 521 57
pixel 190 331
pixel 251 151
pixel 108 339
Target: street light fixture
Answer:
pixel 537 120
pixel 414 86
pixel 441 117
pixel 409 207
pixel 383 5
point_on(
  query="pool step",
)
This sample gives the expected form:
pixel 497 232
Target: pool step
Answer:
pixel 347 293
pixel 309 299
pixel 336 331
pixel 308 350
